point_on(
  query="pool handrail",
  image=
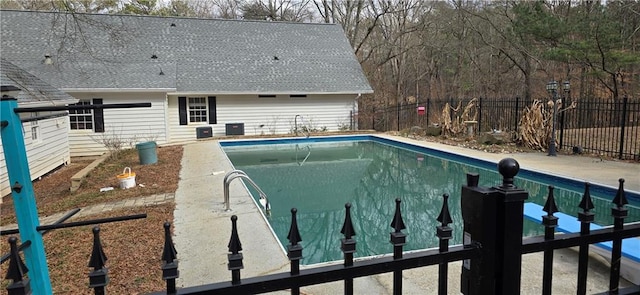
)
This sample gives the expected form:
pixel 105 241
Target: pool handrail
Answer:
pixel 241 174
pixel 306 157
pixel 295 128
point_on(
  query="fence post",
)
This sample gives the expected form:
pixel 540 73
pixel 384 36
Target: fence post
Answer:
pixel 479 216
pixel 398 108
pixel 623 125
pixel 98 278
pixel 561 127
pixel 385 118
pixel 170 265
pixel 509 228
pixel 480 115
pixel 493 218
pixel 373 118
pixel 515 123
pixel 16 271
pixel 427 112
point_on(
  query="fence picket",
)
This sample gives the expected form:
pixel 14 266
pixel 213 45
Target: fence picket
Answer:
pixel 294 249
pixel 235 257
pixel 604 127
pixel 170 260
pixel 398 239
pixel 16 271
pixel 619 212
pixel 98 278
pixel 585 217
pixel 443 232
pixel 550 223
pixel 348 246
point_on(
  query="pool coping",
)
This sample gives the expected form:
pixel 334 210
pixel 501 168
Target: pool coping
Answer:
pixel 539 175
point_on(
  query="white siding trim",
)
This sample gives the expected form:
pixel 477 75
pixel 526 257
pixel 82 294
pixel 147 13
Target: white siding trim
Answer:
pixel 275 114
pixel 44 156
pixel 131 125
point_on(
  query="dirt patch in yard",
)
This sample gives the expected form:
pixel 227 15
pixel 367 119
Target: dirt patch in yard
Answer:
pixel 133 248
pixel 53 194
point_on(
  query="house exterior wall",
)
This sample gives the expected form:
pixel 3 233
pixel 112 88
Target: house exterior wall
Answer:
pixel 275 114
pixel 130 125
pixel 45 154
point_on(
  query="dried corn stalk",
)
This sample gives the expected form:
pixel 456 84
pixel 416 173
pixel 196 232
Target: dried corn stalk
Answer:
pixel 457 126
pixel 446 119
pixel 471 106
pixel 534 127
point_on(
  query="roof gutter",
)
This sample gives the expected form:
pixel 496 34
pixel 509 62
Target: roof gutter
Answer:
pixel 36 104
pixel 115 90
pixel 368 91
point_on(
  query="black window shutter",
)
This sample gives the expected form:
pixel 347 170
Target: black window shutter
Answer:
pixel 212 110
pixel 98 117
pixel 182 107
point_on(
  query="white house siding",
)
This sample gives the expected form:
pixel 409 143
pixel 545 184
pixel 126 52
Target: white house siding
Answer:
pixel 275 114
pixel 131 125
pixel 44 155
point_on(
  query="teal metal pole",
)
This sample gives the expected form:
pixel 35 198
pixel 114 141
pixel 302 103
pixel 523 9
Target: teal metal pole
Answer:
pixel 24 202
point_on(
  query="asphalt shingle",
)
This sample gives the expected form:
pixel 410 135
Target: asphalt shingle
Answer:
pixel 33 90
pixel 195 55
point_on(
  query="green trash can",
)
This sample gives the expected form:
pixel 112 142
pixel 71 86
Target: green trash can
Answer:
pixel 147 152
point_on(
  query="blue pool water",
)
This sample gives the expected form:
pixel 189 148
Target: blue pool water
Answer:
pixel 319 175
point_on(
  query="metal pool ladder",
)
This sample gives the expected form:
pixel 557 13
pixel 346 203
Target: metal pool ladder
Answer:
pixel 306 157
pixel 240 174
pixel 295 128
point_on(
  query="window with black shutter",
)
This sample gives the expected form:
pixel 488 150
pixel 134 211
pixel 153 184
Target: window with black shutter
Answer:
pixel 197 109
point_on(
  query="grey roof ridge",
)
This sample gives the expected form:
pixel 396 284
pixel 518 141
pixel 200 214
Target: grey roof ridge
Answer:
pixel 170 17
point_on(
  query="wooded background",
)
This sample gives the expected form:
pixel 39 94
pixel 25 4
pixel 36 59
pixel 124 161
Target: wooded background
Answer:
pixel 411 50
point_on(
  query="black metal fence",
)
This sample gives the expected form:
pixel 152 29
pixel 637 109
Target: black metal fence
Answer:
pixel 605 127
pixel 602 126
pixel 491 254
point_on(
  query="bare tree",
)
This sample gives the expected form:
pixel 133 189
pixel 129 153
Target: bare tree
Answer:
pixel 228 9
pixel 448 48
pixel 277 10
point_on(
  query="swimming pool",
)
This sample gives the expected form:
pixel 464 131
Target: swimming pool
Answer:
pixel 320 174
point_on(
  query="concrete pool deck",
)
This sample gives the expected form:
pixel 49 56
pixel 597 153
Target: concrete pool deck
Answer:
pixel 202 227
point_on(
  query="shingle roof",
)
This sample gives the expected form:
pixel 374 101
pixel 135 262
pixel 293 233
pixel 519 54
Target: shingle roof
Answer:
pixel 195 55
pixel 33 90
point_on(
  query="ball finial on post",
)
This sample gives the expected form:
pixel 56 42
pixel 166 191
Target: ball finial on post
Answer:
pixel 508 168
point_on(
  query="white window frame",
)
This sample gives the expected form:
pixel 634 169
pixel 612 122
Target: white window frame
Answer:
pixel 75 115
pixel 36 136
pixel 197 109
